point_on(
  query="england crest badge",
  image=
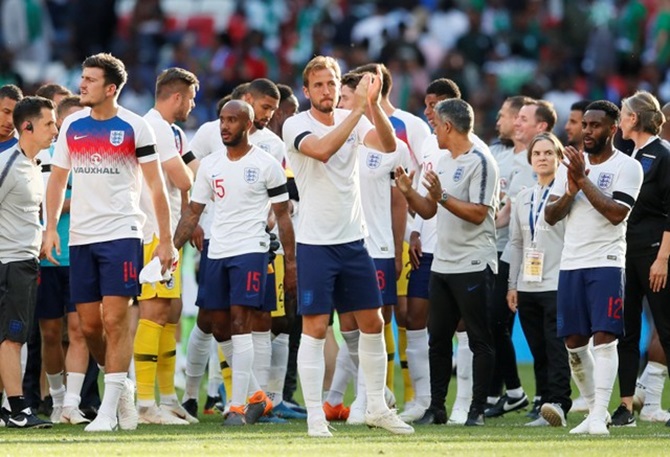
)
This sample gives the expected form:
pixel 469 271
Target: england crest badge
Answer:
pixel 373 160
pixel 116 137
pixel 605 180
pixel 458 174
pixel 251 174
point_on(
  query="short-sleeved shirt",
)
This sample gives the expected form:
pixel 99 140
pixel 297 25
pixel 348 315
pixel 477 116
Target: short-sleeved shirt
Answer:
pixel 590 239
pixel 21 194
pixel 413 131
pixel 242 191
pixel 330 200
pixel 464 247
pixel 377 177
pixel 170 143
pixel 104 158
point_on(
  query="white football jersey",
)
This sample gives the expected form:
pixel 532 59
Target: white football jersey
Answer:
pixel 330 197
pixel 243 191
pixel 104 158
pixel 590 239
pixel 413 131
pixel 377 176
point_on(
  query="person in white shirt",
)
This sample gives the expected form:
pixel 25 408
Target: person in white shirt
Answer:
pixel 108 149
pixel 463 192
pixel 336 270
pixel 594 192
pixel 245 182
pixel 159 303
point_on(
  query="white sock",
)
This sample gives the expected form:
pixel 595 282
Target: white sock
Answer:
pixel 197 355
pixel 351 339
pixel 169 399
pixel 75 381
pixel 649 388
pixel 214 378
pixel 56 388
pixel 262 357
pixel 419 368
pixel 5 401
pixel 606 358
pixel 278 366
pixel 341 376
pixel 361 400
pixel 581 368
pixel 515 393
pixel 114 385
pixel 243 356
pixel 463 372
pixel 311 370
pixel 372 356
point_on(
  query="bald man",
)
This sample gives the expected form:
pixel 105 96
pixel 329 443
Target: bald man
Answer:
pixel 244 182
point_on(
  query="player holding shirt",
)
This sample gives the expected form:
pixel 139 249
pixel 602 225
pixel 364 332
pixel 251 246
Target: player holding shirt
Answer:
pixel 591 281
pixel 335 269
pixel 108 149
pixel 159 304
pixel 244 182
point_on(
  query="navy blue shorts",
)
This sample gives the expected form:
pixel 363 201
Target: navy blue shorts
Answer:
pixel 108 268
pixel 590 300
pixel 202 271
pixel 270 302
pixel 237 280
pixel 341 276
pixel 53 293
pixel 386 281
pixel 419 279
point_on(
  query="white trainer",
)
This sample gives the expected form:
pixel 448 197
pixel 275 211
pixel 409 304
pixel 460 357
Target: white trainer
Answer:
pixel 178 410
pixel 126 410
pixel 553 414
pixel 55 415
pixel 72 415
pixel 582 428
pixel 390 421
pixel 598 427
pixel 539 422
pixel 579 405
pixel 155 415
pixel 649 414
pixel 414 412
pixel 319 428
pixel 458 416
pixel 357 412
pixel 102 423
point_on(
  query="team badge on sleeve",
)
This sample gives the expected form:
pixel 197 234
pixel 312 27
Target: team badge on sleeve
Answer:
pixel 251 174
pixel 116 137
pixel 605 180
pixel 373 160
pixel 458 174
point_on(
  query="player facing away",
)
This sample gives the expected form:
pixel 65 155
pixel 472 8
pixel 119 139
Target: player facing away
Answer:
pixel 336 271
pixel 108 149
pixel 594 192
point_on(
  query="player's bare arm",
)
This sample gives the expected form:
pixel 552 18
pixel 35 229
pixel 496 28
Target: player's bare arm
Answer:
pixel 287 238
pixel 154 179
pixel 425 207
pixel 55 196
pixel 398 223
pixel 475 213
pixel 188 223
pixel 558 208
pixel 382 138
pixel 178 173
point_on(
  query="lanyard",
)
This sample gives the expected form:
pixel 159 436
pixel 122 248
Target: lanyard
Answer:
pixel 533 217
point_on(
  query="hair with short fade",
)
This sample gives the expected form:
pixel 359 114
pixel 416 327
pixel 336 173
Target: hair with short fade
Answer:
pixel 174 80
pixel 30 108
pixel 319 63
pixel 545 112
pixel 113 69
pixel 609 108
pixel 285 92
pixel 580 105
pixel 51 90
pixel 352 79
pixel 650 118
pixel 444 87
pixel 458 113
pixel 387 80
pixel 12 92
pixel 66 104
pixel 263 87
pixel 556 143
pixel 517 101
pixel 239 91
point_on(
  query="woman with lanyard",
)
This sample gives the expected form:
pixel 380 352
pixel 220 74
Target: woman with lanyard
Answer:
pixel 648 240
pixel 535 255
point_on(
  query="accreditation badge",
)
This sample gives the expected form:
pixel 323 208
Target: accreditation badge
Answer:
pixel 533 262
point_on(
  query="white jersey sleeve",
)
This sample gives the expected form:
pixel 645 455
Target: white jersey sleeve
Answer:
pixel 627 186
pixel 203 187
pixel 206 140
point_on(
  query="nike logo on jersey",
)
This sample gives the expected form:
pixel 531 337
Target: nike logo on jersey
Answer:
pixel 79 137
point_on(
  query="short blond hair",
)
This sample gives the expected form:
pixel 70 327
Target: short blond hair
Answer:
pixel 319 63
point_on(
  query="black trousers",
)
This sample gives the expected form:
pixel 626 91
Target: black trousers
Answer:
pixel 537 314
pixel 637 287
pixel 502 323
pixel 453 296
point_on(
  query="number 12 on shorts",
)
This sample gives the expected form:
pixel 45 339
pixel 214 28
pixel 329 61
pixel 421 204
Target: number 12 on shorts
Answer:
pixel 614 308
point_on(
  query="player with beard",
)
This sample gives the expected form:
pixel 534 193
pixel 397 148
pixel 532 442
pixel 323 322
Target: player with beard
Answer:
pixel 573 126
pixel 244 182
pixel 10 95
pixel 594 192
